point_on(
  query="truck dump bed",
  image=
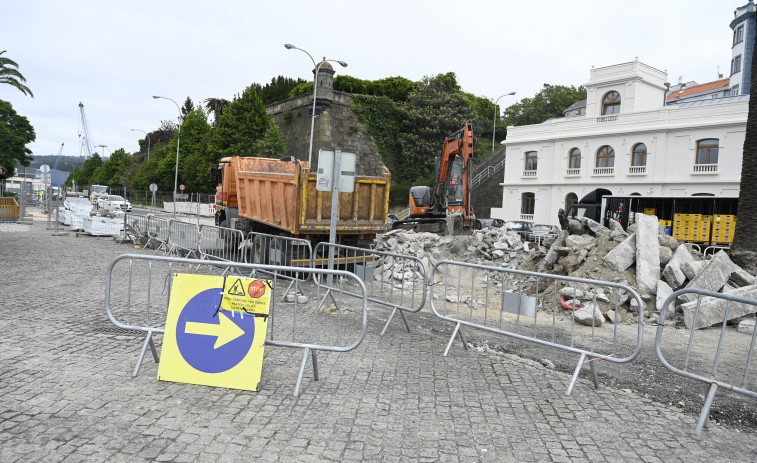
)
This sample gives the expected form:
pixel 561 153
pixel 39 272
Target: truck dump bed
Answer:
pixel 283 194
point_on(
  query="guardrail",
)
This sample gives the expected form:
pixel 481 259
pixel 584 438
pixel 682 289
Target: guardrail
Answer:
pixel 701 352
pixel 220 243
pixel 183 239
pixel 392 280
pixel 477 296
pixel 138 291
pixel 281 250
pixel 158 230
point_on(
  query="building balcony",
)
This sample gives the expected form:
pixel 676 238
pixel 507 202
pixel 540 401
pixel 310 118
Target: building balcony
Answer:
pixel 573 172
pixel 529 174
pixel 704 169
pixel 604 171
pixel 527 217
pixel 637 170
pixel 607 118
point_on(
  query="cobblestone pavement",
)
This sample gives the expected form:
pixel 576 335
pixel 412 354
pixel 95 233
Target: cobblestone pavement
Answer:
pixel 66 391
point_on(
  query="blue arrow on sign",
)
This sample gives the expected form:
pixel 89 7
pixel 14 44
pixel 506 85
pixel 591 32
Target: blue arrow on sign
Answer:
pixel 212 340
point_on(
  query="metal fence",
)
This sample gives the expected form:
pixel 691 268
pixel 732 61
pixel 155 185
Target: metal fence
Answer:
pixel 136 229
pixel 506 302
pixel 183 239
pixel 702 358
pixel 392 280
pixel 138 290
pixel 158 230
pixel 262 248
pixel 221 243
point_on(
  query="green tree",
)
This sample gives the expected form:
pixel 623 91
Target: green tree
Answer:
pixel 216 107
pixel 15 133
pixel 186 108
pixel 550 102
pixel 84 176
pixel 110 172
pixel 194 160
pixel 10 75
pixel 278 89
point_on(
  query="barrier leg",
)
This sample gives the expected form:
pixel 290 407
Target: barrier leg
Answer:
pixel 463 339
pixel 706 408
pixel 593 366
pixel 148 341
pixel 575 373
pixel 452 338
pixel 315 364
pixel 392 317
pixel 302 372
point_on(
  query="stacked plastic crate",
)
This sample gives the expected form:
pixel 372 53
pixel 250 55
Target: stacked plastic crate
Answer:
pixel 692 227
pixel 723 228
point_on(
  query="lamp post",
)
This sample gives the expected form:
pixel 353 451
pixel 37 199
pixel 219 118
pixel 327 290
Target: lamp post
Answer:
pixel 148 141
pixel 178 140
pixel 103 147
pixel 494 120
pixel 317 67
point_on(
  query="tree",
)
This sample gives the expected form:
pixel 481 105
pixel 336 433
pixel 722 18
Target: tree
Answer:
pixel 744 246
pixel 194 160
pixel 15 133
pixel 9 75
pixel 187 108
pixel 84 175
pixel 110 172
pixel 550 102
pixel 216 107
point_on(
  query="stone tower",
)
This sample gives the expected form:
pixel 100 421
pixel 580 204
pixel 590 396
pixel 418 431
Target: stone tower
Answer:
pixel 742 51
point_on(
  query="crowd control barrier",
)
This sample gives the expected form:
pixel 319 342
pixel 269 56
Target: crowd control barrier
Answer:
pixel 9 210
pixel 158 230
pixel 264 248
pixel 477 296
pixel 701 361
pixel 183 239
pixel 138 290
pixel 136 229
pixel 392 280
pixel 219 243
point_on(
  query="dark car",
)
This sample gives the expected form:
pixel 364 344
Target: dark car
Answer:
pixel 520 227
pixel 542 231
pixel 390 219
pixel 494 223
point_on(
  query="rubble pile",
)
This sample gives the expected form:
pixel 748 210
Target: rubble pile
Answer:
pixel 643 257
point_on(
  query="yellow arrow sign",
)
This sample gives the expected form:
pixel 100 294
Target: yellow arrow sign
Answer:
pixel 226 330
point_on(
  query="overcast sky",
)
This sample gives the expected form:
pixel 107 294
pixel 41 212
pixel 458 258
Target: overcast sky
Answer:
pixel 113 56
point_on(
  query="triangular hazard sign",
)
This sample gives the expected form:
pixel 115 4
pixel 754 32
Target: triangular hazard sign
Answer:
pixel 237 289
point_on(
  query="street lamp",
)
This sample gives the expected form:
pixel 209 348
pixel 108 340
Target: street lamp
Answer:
pixel 103 147
pixel 495 117
pixel 148 141
pixel 178 140
pixel 317 67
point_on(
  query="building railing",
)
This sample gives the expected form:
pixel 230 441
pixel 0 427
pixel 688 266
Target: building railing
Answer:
pixel 529 217
pixel 705 169
pixel 489 171
pixel 573 172
pixel 604 171
pixel 637 170
pixel 607 118
pixel 529 173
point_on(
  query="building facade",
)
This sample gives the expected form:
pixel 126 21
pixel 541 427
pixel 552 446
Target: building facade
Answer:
pixel 742 50
pixel 629 140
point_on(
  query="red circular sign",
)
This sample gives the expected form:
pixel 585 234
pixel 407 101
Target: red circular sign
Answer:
pixel 256 289
pixel 181 187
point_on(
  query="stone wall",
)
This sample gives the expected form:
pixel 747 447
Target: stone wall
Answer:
pixel 336 128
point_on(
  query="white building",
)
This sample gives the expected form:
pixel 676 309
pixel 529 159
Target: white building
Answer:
pixel 634 135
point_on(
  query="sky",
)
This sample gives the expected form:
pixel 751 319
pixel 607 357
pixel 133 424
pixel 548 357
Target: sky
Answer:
pixel 113 56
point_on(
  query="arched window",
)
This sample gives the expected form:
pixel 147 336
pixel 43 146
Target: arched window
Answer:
pixel 639 155
pixel 530 160
pixel 707 151
pixel 574 159
pixel 605 156
pixel 611 103
pixel 570 198
pixel 527 203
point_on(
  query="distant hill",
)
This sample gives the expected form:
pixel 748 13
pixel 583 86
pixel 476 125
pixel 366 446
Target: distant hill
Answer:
pixel 66 163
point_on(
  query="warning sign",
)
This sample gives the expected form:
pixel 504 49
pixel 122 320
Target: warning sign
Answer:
pixel 206 340
pixel 255 300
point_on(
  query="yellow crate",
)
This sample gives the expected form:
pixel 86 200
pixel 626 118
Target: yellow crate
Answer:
pixel 725 218
pixel 707 218
pixel 681 217
pixel 650 211
pixel 695 217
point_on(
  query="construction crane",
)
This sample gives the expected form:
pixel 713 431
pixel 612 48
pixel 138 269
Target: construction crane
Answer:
pixel 85 143
pixel 57 160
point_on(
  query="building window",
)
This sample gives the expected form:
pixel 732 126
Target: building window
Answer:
pixel 570 198
pixel 735 90
pixel 574 159
pixel 530 160
pixel 606 157
pixel 707 151
pixel 527 201
pixel 611 103
pixel 639 155
pixel 738 35
pixel 736 65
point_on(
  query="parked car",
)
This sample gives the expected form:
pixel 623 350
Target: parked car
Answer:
pixel 390 219
pixel 520 227
pixel 113 203
pixel 541 231
pixel 494 223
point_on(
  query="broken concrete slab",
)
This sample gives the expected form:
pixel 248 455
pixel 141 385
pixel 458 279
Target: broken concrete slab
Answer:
pixel 647 253
pixel 692 268
pixel 584 315
pixel 665 255
pixel 712 309
pixel 713 276
pixel 663 291
pixel 747 327
pixel 623 255
pixel 668 241
pixel 673 275
pixel 578 241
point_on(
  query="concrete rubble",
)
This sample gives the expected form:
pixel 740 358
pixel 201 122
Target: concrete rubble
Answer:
pixel 643 257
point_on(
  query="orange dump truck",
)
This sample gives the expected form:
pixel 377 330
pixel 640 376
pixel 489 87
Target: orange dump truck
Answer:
pixel 279 197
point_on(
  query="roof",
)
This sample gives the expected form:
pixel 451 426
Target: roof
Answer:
pixel 576 105
pixel 702 88
pixel 728 99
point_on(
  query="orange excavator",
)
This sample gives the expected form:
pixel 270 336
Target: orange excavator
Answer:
pixel 447 205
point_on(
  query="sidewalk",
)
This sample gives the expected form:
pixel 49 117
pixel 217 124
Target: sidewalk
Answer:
pixel 66 391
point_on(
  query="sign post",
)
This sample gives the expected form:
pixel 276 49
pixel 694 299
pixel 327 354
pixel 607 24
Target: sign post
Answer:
pixel 153 188
pixel 336 173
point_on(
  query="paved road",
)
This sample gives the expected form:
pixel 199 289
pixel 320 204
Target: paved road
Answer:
pixel 66 391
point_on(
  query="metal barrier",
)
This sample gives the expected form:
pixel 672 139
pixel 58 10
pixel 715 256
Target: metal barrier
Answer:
pixel 158 230
pixel 9 210
pixel 219 243
pixel 703 351
pixel 183 239
pixel 393 280
pixel 477 296
pixel 138 290
pixel 136 229
pixel 714 249
pixel 264 248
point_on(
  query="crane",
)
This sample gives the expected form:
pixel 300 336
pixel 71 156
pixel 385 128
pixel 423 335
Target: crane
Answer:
pixel 85 141
pixel 57 160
